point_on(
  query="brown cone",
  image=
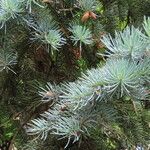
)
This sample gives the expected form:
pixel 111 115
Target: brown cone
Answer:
pixel 85 16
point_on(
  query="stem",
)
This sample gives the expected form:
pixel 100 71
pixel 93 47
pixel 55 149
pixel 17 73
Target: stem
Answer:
pixel 134 107
pixel 80 48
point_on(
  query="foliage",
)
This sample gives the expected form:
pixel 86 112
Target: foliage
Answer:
pixel 74 74
pixel 80 34
pixel 128 43
pixel 88 5
pixel 46 31
pixel 7 59
pixel 118 79
pixel 9 9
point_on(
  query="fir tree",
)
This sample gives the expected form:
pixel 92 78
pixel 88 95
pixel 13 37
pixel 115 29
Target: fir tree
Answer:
pixel 66 80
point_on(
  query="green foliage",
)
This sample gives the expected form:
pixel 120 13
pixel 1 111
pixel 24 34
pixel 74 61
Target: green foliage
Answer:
pixel 29 4
pixel 7 59
pixel 88 5
pixel 46 31
pixel 9 9
pixel 146 26
pixel 56 93
pixel 31 145
pixel 38 126
pixel 117 79
pixel 54 38
pixel 121 77
pixel 50 92
pixel 81 34
pixel 7 129
pixel 128 43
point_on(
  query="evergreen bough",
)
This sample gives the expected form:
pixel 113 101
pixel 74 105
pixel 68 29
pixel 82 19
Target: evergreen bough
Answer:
pixel 94 99
pixel 123 76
